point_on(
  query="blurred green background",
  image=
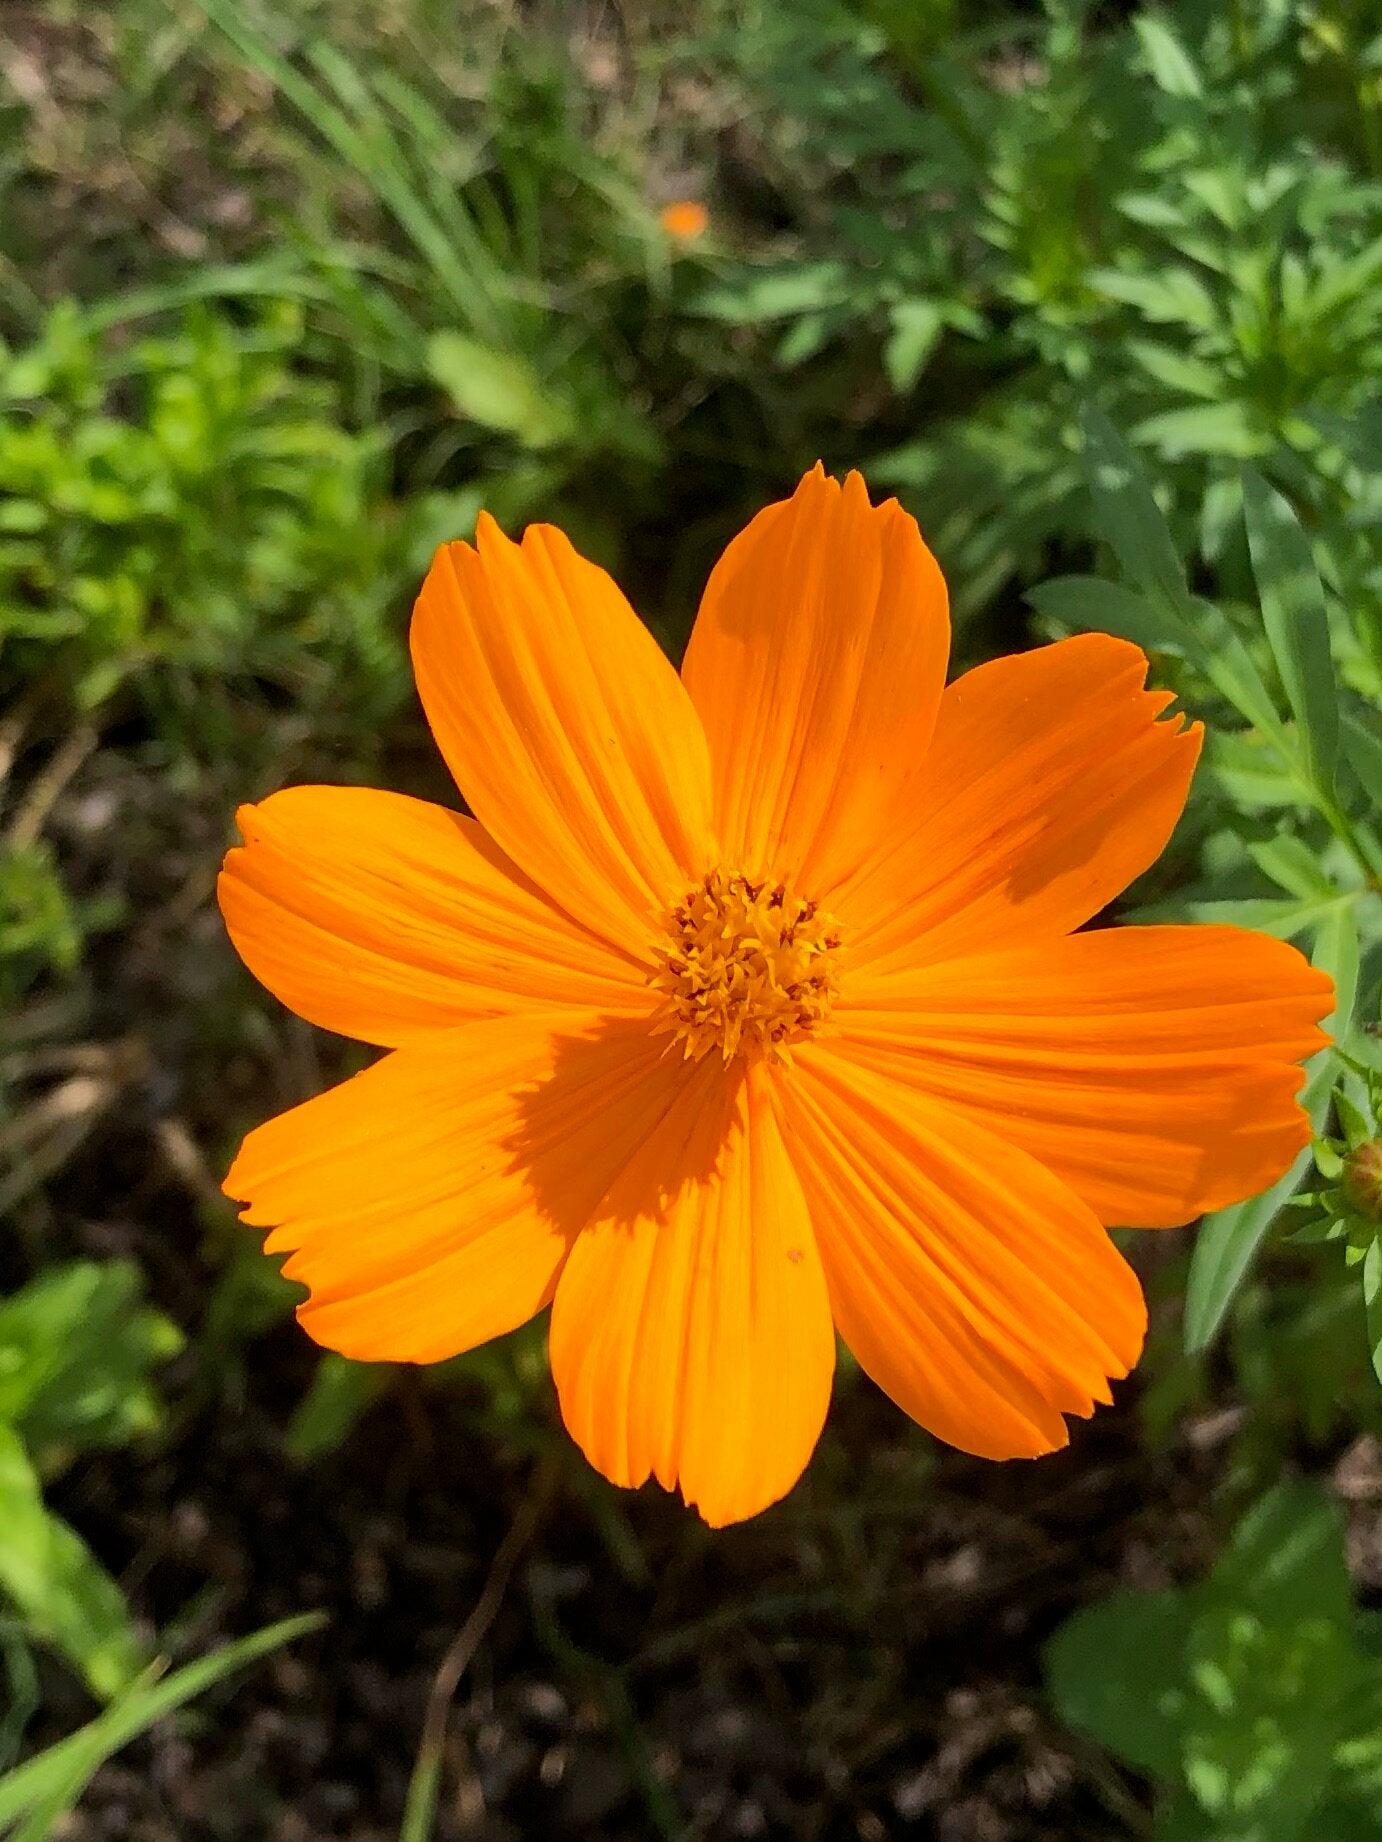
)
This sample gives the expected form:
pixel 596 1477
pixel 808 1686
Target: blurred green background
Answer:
pixel 288 292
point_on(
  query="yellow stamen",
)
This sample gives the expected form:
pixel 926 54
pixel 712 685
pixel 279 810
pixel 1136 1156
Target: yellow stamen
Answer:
pixel 748 967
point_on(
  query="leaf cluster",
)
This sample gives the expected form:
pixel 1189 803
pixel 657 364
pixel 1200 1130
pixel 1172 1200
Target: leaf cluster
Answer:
pixel 1252 1698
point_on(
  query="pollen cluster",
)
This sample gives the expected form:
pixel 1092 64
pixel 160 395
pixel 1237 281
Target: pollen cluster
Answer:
pixel 747 967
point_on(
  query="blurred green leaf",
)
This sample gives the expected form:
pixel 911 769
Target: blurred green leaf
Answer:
pixel 1093 604
pixel 1295 867
pixel 1372 1301
pixel 1297 624
pixel 77 1346
pixel 916 327
pixel 778 293
pixel 497 389
pixel 1137 1712
pixel 1170 297
pixel 1250 772
pixel 1362 743
pixel 1284 920
pixel 1247 1696
pixel 1202 428
pixel 341 1390
pixel 1167 58
pixel 1178 371
pixel 64 1595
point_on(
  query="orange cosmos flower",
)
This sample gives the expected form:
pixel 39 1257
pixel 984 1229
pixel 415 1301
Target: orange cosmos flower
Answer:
pixel 749 1008
pixel 684 219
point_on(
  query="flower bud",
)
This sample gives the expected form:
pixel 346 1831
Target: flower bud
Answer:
pixel 1363 1179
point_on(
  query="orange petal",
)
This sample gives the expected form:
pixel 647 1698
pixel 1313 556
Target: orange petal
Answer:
pixel 1150 1067
pixel 566 728
pixel 691 1333
pixel 1049 786
pixel 817 662
pixel 973 1286
pixel 428 1203
pixel 384 917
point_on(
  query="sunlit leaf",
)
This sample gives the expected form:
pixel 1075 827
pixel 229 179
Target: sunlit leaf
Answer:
pixel 916 327
pixel 64 1595
pixel 499 390
pixel 1167 58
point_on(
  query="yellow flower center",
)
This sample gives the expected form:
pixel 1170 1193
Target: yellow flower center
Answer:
pixel 747 966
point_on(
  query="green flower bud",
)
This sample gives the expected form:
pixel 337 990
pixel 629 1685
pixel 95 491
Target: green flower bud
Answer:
pixel 1363 1180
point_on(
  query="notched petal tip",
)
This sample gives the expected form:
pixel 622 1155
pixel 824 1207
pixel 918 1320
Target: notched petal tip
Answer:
pixel 247 821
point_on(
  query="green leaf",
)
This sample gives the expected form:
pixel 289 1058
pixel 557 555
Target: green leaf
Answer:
pixel 1294 867
pixel 778 294
pixel 341 1390
pixel 1264 914
pixel 916 326
pixel 1287 1557
pixel 1357 1126
pixel 499 390
pixel 1232 670
pixel 64 1595
pixel 1250 1696
pixel 1177 370
pixel 1227 1242
pixel 1167 58
pixel 1229 1239
pixel 1274 1666
pixel 1250 771
pixel 1202 428
pixel 1336 952
pixel 1131 520
pixel 1095 605
pixel 1170 297
pixel 452 246
pixel 1372 1302
pixel 45 1788
pixel 1293 612
pixel 1362 743
pixel 1133 1710
pixel 76 1348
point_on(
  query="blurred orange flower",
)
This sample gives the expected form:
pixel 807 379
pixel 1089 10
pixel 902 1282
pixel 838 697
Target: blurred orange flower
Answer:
pixel 685 219
pixel 749 1007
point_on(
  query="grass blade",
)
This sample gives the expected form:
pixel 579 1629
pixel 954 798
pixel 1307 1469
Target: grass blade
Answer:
pixel 375 155
pixel 45 1788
